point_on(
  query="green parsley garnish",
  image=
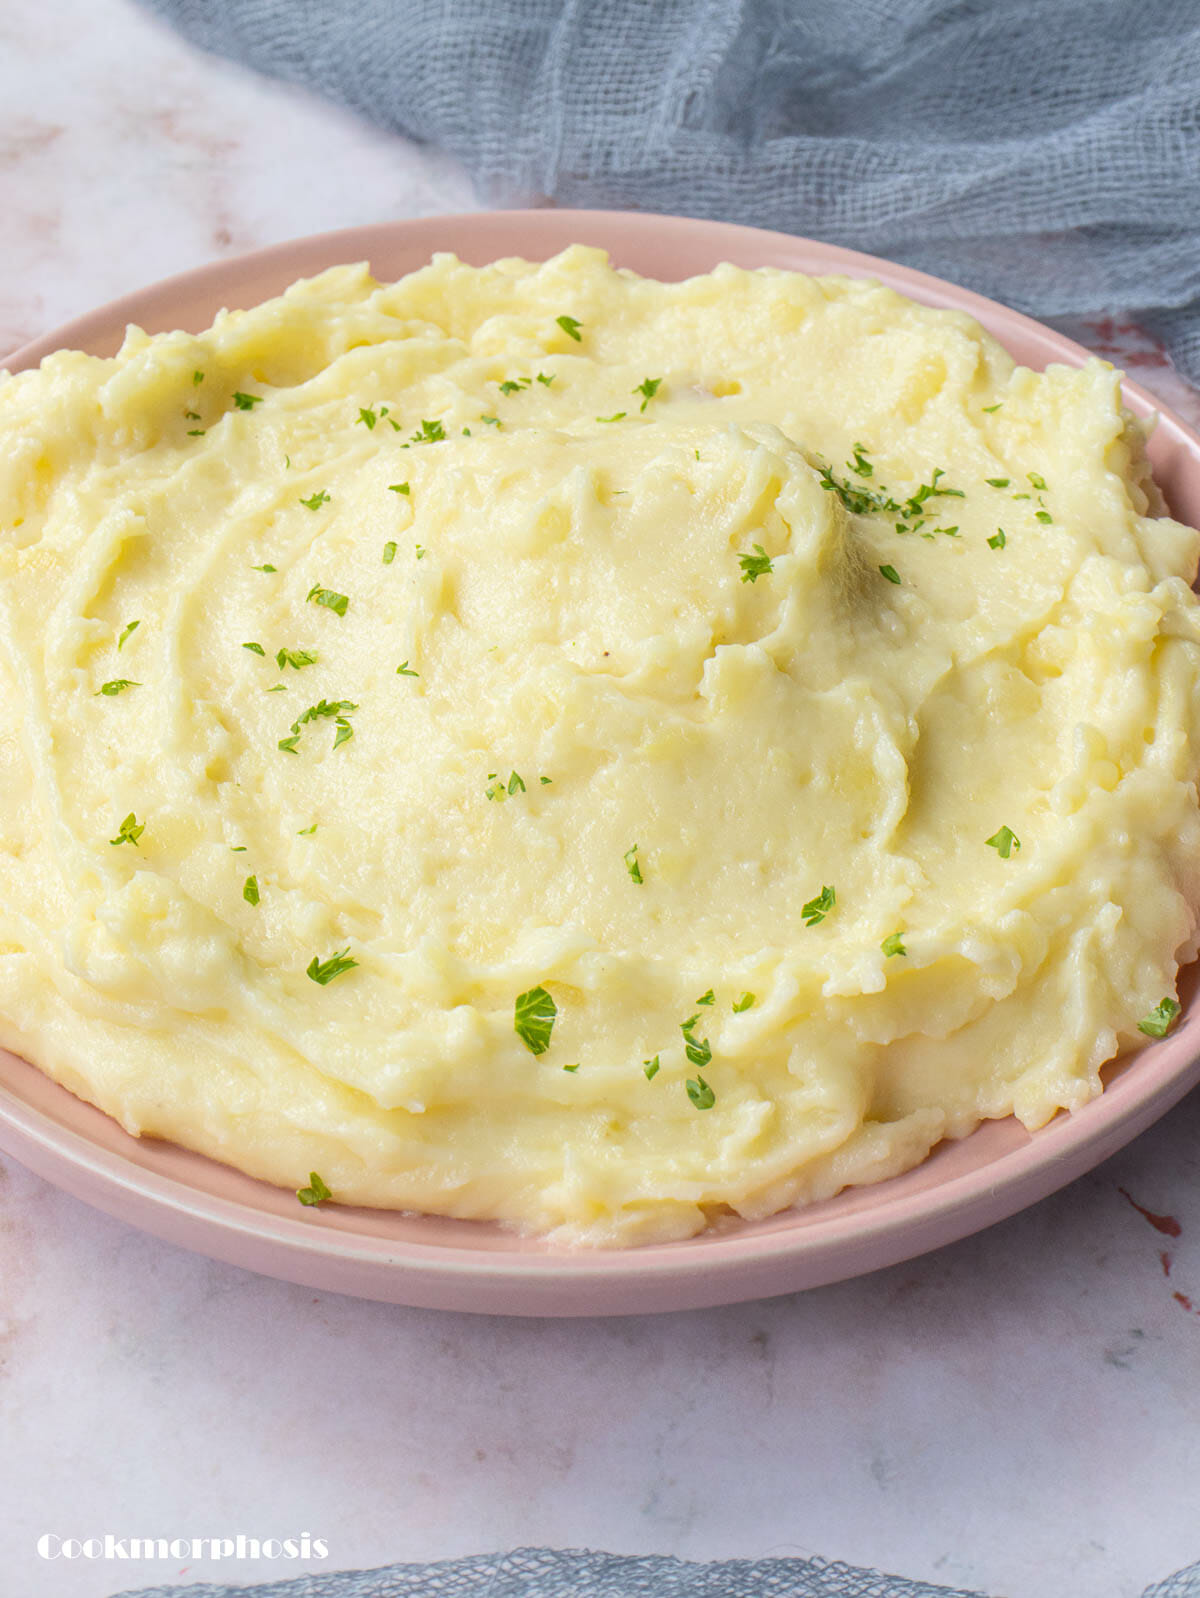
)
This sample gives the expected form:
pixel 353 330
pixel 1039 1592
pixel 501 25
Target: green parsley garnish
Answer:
pixel 706 998
pixel 130 831
pixel 515 783
pixel 1038 481
pixel 994 407
pixel 545 781
pixel 131 627
pixel 997 482
pixel 861 464
pixel 1003 842
pixel 117 686
pixel 335 710
pixel 893 944
pixel 398 488
pixel 329 598
pixel 237 848
pixel 264 568
pixel 389 552
pixel 429 433
pixel 1043 516
pixel 307 832
pixel 859 501
pixel 250 890
pixel 324 971
pixel 368 418
pixel 255 648
pixel 278 688
pixel 756 565
pixel 997 540
pixel 570 327
pixel 701 1095
pixel 1158 1023
pixel 514 385
pixel 890 572
pixel 197 378
pixel 647 388
pixel 817 909
pixel 632 866
pixel 246 402
pixel 696 1049
pixel 403 670
pixel 913 504
pixel 492 421
pixel 316 501
pixel 196 432
pixel 744 1003
pixel 651 1068
pixel 533 1019
pixel 295 658
pixel 546 381
pixel 191 416
pixel 421 551
pixel 574 1067
pixel 617 416
pixel 315 1193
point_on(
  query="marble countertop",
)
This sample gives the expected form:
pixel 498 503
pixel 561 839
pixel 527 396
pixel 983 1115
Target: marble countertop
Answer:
pixel 1018 1413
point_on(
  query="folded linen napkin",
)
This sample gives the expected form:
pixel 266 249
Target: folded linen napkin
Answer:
pixel 554 1573
pixel 1045 154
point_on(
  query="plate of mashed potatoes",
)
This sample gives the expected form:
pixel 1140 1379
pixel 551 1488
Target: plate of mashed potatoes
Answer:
pixel 572 763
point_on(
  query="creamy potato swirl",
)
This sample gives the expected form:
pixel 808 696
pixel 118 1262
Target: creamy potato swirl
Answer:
pixel 799 695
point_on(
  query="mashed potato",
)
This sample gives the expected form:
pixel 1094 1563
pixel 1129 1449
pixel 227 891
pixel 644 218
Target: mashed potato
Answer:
pixel 541 744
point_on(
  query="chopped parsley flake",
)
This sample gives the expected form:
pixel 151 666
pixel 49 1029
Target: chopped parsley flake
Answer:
pixel 570 327
pixel 429 433
pixel 890 572
pixel 500 790
pixel 1158 1023
pixel 744 1003
pixel 117 686
pixel 191 416
pixel 492 421
pixel 533 1019
pixel 651 1068
pixel 701 1095
pixel 368 419
pixel 617 416
pixel 574 1067
pixel 696 1049
pixel 1043 516
pixel 129 831
pixel 246 402
pixel 514 385
pixel 324 971
pixel 264 568
pixel 130 628
pixel 335 710
pixel 861 465
pixel 913 504
pixel 998 482
pixel 295 658
pixel 998 539
pixel 817 909
pixel 197 378
pixel 315 1193
pixel 994 407
pixel 420 549
pixel 389 552
pixel 250 890
pixel 632 866
pixel 545 781
pixel 515 783
pixel 316 500
pixel 307 832
pixel 544 380
pixel 893 944
pixel 647 388
pixel 1038 481
pixel 858 501
pixel 1003 842
pixel 755 565
pixel 707 998
pixel 196 432
pixel 398 488
pixel 256 649
pixel 329 598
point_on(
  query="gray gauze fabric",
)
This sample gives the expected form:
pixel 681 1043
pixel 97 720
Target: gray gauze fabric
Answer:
pixel 550 1573
pixel 1043 152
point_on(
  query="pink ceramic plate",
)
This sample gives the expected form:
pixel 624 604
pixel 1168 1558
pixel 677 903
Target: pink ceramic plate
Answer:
pixel 446 1264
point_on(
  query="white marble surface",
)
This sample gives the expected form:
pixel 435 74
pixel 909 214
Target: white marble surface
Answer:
pixel 1019 1413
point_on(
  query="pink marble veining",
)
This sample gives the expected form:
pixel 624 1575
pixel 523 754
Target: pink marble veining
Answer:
pixel 1016 1413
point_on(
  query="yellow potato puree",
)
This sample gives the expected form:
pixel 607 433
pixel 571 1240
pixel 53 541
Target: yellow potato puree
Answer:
pixel 541 744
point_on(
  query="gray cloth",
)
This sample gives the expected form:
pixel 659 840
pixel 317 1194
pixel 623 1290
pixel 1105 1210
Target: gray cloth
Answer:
pixel 1043 152
pixel 550 1573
